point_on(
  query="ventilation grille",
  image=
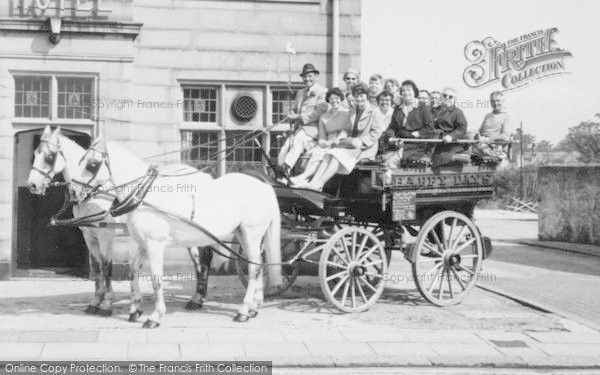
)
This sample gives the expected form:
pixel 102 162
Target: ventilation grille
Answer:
pixel 244 108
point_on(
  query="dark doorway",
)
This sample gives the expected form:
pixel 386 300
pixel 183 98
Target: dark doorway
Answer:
pixel 42 250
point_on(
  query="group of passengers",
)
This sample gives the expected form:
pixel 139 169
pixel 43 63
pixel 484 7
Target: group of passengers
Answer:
pixel 338 128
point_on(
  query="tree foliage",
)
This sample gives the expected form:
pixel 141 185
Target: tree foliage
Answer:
pixel 585 138
pixel 544 146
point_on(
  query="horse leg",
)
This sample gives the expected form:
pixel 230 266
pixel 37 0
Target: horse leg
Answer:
pixel 93 247
pixel 105 242
pixel 258 293
pixel 155 251
pixel 136 264
pixel 251 245
pixel 201 257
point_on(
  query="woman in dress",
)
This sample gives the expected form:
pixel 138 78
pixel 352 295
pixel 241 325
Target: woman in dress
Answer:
pixel 410 119
pixel 332 126
pixel 364 127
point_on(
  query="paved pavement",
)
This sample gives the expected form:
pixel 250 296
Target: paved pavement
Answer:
pixel 560 277
pixel 42 319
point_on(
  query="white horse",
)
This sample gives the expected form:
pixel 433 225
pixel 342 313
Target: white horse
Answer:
pixel 233 204
pixel 58 154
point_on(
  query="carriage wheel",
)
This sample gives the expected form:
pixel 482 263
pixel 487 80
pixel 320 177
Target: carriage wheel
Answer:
pixel 381 233
pixel 448 258
pixel 352 268
pixel 289 248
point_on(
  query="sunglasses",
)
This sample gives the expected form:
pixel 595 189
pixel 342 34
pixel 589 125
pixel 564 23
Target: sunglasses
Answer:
pixel 448 96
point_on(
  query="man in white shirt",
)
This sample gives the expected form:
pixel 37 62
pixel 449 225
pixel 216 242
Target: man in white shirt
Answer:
pixel 495 127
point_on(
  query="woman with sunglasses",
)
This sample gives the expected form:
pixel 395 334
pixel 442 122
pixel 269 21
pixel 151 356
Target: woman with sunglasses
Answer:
pixel 451 124
pixel 410 119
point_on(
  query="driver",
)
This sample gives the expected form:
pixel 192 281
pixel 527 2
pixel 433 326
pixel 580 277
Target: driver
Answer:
pixel 310 105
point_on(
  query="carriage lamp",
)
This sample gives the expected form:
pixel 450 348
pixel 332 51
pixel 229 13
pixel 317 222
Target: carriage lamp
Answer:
pixel 55 25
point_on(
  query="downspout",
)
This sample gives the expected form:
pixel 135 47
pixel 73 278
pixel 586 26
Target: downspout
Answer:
pixel 335 48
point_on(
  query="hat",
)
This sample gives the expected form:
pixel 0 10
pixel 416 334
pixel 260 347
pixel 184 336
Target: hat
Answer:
pixel 360 88
pixel 308 68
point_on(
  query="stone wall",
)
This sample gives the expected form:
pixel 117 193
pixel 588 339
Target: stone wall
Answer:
pixel 569 208
pixel 225 41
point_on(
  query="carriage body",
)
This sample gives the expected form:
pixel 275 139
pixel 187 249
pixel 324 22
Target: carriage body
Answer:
pixel 425 213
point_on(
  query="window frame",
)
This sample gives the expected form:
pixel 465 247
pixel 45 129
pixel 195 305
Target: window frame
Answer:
pixel 199 125
pixel 53 118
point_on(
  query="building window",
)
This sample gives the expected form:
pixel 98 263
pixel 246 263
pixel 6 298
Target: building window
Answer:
pixel 200 149
pixel 282 104
pixel 54 97
pixel 74 97
pixel 200 104
pixel 242 151
pixel 32 97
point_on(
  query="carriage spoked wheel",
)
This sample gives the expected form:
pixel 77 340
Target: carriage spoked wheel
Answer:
pixel 352 268
pixel 289 248
pixel 382 234
pixel 447 258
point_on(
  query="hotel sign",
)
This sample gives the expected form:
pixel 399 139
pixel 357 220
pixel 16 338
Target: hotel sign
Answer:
pixel 516 62
pixel 61 8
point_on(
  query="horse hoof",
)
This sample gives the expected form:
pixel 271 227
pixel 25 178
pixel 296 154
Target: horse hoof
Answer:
pixel 252 313
pixel 134 316
pixel 91 310
pixel 193 305
pixel 150 324
pixel 241 318
pixel 103 312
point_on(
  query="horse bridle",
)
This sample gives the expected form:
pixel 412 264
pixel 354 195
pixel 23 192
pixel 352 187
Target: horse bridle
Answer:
pixel 93 166
pixel 50 159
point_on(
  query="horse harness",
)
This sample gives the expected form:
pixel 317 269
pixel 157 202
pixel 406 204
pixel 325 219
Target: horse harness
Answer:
pixel 50 159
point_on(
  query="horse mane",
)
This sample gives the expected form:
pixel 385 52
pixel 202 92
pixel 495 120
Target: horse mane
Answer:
pixel 124 164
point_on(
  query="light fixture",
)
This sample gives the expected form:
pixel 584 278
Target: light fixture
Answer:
pixel 55 25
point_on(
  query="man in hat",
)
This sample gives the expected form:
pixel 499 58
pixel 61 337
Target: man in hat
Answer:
pixel 310 105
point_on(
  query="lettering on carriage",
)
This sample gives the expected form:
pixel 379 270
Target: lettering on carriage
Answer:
pixel 446 181
pixel 515 63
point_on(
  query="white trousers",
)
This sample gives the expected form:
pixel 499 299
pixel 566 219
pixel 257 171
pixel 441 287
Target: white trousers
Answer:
pixel 294 146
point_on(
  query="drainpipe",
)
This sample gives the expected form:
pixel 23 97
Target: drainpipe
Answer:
pixel 335 48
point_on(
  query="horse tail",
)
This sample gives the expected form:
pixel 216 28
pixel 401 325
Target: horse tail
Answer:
pixel 272 245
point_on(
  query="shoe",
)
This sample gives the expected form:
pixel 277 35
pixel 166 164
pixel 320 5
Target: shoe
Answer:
pixel 283 170
pixel 297 180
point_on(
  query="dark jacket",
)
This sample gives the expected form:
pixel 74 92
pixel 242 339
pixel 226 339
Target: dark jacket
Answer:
pixel 449 121
pixel 420 120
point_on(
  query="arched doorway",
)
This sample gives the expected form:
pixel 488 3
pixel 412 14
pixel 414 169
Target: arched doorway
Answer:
pixel 40 250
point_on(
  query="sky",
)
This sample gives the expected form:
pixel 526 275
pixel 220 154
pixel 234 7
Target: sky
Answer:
pixel 425 41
